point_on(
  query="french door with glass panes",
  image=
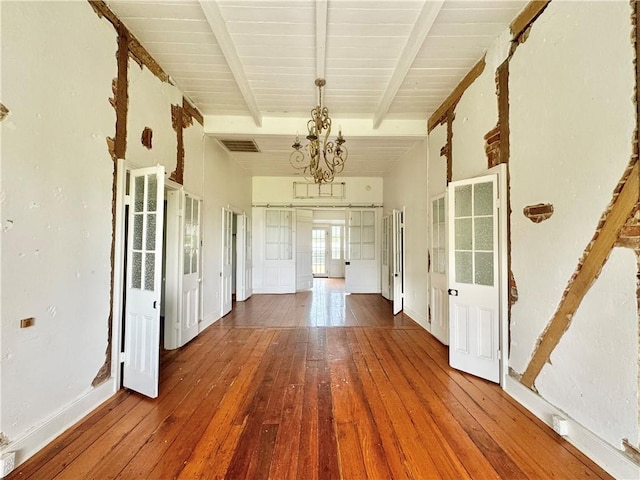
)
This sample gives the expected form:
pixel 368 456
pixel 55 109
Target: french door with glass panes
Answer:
pixel 362 266
pixel 438 271
pixel 144 281
pixel 474 293
pixel 191 279
pixel 320 252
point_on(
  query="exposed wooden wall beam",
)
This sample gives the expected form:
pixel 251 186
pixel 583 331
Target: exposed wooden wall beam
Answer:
pixel 419 33
pixel 527 16
pixel 440 114
pixel 594 259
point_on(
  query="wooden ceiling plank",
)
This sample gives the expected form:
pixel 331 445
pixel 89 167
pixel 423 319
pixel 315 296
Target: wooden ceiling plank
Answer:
pixel 417 37
pixel 321 37
pixel 214 17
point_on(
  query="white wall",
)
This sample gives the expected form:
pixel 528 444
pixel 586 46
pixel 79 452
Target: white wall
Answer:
pixel 56 208
pixel 405 187
pixel 226 185
pixel 571 131
pixel 279 190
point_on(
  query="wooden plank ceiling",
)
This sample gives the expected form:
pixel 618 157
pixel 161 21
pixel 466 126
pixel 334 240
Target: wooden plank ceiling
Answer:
pixel 250 66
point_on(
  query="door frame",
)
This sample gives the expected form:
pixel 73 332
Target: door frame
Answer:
pixel 327 251
pixel 501 171
pixel 240 256
pixel 119 272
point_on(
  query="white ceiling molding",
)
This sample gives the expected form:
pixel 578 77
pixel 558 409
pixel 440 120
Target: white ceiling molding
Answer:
pixel 215 19
pixel 321 37
pixel 419 33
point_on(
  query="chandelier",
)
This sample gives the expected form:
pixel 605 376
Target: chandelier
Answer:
pixel 319 159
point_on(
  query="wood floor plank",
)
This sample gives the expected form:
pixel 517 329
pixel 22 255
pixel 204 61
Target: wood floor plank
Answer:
pixel 311 386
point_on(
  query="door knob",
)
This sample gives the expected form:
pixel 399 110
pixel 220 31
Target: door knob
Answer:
pixel 453 292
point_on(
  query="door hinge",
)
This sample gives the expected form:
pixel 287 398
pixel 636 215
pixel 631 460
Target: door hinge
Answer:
pixel 121 357
pixel 499 354
pixel 127 199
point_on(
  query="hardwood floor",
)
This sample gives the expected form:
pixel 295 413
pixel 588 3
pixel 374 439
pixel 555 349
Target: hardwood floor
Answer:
pixel 275 390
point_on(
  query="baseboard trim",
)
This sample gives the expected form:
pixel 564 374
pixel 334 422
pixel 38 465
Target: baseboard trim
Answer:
pixel 32 442
pixel 602 453
pixel 418 318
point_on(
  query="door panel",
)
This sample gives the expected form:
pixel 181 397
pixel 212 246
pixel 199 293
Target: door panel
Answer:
pixel 398 261
pixel 191 279
pixel 438 271
pixel 144 281
pixel 474 294
pixel 362 262
pixel 304 225
pixel 227 261
pixel 387 270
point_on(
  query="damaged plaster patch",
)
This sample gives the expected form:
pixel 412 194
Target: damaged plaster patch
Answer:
pixel 147 137
pixel 630 451
pixel 513 289
pixel 4 440
pixel 4 112
pixel 539 212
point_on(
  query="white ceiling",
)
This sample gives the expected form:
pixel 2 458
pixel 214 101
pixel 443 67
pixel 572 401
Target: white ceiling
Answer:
pixel 250 66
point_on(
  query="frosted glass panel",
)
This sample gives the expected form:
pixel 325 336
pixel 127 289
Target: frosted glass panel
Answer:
pixel 483 233
pixel 272 234
pixel 196 206
pixel 434 213
pixel 285 219
pixel 285 235
pixel 442 265
pixel 354 235
pixel 285 252
pixel 463 230
pixel 151 231
pixel 463 201
pixel 137 231
pixel 464 267
pixel 354 251
pixel 368 251
pixel 152 193
pixel 484 268
pixel 483 199
pixel 194 261
pixel 368 219
pixel 368 235
pixel 138 197
pixel 355 219
pixel 149 271
pixel 187 210
pixel 273 218
pixel 187 257
pixel 441 209
pixel 136 270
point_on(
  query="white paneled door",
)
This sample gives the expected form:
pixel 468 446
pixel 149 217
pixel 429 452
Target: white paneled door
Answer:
pixel 304 227
pixel 398 261
pixel 474 286
pixel 191 279
pixel 362 266
pixel 144 281
pixel 227 261
pixel 387 270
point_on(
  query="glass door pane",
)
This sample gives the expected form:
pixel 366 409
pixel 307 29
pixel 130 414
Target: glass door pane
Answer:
pixel 318 252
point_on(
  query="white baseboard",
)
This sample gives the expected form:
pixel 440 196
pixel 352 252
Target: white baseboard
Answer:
pixel 30 443
pixel 605 455
pixel 418 318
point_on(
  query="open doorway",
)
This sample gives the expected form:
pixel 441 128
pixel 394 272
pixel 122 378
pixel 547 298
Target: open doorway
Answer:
pixel 236 259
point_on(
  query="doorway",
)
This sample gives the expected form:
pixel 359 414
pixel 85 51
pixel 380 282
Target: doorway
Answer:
pixel 320 252
pixel 235 260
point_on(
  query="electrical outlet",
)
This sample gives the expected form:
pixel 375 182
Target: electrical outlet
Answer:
pixel 7 463
pixel 560 425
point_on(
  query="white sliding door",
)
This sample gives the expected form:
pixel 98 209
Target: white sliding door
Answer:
pixel 362 263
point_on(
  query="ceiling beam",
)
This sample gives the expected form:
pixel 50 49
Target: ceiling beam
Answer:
pixel 321 37
pixel 216 21
pixel 418 35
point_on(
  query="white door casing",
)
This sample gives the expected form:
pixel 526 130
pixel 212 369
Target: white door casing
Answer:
pixel 143 281
pixel 304 226
pixel 398 261
pixel 439 301
pixel 226 275
pixel 473 280
pixel 191 267
pixel 362 264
